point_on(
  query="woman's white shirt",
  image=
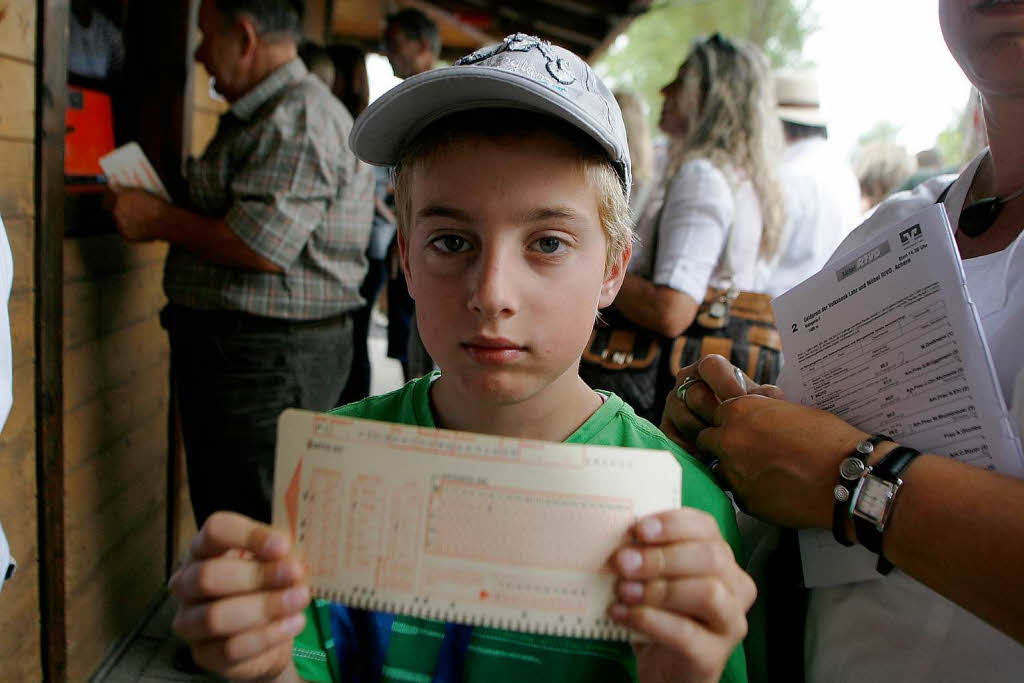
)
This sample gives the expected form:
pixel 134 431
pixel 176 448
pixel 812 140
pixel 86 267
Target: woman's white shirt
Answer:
pixel 896 629
pixel 683 229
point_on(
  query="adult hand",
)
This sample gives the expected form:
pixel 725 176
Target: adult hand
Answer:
pixel 136 213
pixel 681 587
pixel 780 459
pixel 240 597
pixel 699 389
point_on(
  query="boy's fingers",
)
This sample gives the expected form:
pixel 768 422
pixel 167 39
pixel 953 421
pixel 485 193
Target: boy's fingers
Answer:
pixel 225 653
pixel 706 599
pixel 226 576
pixel 262 667
pixel 676 560
pixel 225 531
pixel 231 616
pixel 702 651
pixel 679 524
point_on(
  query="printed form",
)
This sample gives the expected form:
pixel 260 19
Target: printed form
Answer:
pixel 508 533
pixel 888 339
pixel 128 166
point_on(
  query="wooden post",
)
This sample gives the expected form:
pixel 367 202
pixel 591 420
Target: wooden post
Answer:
pixel 51 98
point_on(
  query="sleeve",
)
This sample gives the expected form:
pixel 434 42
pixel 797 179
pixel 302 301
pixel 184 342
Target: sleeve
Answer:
pixel 282 193
pixel 692 228
pixel 313 648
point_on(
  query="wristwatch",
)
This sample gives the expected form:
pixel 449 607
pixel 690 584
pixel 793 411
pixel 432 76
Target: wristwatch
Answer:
pixel 851 469
pixel 872 502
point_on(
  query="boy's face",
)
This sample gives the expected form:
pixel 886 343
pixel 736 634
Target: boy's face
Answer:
pixel 505 257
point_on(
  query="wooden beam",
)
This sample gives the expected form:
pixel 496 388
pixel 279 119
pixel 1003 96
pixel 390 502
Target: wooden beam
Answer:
pixel 51 98
pixel 508 19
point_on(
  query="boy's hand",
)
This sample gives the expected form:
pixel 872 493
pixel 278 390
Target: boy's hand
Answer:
pixel 681 587
pixel 240 597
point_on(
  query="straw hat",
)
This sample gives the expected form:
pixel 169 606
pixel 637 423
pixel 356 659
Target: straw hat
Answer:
pixel 798 98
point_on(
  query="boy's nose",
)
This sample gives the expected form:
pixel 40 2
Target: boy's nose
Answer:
pixel 492 287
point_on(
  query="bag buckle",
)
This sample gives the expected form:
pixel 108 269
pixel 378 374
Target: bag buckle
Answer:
pixel 618 357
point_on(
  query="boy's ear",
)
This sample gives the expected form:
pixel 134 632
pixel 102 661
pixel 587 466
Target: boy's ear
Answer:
pixel 616 274
pixel 403 253
pixel 248 34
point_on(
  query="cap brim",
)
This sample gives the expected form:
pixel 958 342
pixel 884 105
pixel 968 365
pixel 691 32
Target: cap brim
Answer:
pixel 388 125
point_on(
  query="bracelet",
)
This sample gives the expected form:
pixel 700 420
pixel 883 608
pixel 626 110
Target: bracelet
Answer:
pixel 851 469
pixel 871 510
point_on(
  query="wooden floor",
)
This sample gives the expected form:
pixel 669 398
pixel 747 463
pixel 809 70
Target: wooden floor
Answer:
pixel 147 659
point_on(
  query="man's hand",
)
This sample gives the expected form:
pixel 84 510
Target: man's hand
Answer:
pixel 137 213
pixel 681 587
pixel 241 597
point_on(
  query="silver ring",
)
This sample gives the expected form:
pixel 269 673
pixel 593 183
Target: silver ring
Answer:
pixel 687 383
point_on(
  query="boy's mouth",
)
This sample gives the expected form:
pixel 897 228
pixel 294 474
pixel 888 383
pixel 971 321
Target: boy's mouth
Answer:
pixel 493 350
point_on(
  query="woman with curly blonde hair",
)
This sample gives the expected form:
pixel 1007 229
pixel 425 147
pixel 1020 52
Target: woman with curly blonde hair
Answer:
pixel 721 179
pixel 718 209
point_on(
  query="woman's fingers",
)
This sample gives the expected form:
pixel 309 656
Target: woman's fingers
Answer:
pixel 230 616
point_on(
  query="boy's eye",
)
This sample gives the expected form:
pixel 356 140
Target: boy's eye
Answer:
pixel 548 245
pixel 450 244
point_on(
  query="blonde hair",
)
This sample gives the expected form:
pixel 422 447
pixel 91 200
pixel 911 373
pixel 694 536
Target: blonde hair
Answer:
pixel 638 136
pixel 736 125
pixel 883 166
pixel 600 174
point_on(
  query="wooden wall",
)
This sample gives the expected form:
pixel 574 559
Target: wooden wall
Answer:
pixel 116 364
pixel 19 602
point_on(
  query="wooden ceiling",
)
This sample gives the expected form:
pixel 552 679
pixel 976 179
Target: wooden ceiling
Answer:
pixel 586 27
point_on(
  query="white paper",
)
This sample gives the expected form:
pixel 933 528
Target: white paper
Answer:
pixel 889 340
pixel 483 530
pixel 128 166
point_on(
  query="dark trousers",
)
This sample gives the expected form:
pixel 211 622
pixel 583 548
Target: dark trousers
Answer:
pixel 234 374
pixel 358 386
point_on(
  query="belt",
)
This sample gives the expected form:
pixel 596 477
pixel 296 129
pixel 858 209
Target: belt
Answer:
pixel 214 320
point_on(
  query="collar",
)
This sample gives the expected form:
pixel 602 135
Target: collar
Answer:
pixel 248 104
pixel 957 194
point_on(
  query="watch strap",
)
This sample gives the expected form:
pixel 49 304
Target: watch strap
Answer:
pixel 889 468
pixel 849 473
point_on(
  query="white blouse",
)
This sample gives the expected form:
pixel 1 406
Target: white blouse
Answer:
pixel 683 230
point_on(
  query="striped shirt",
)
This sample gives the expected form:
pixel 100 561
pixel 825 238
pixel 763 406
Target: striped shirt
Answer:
pixel 280 173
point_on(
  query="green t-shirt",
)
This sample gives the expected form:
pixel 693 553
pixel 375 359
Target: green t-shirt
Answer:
pixel 496 655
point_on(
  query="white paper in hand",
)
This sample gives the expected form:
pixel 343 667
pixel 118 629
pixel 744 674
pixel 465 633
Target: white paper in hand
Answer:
pixel 127 166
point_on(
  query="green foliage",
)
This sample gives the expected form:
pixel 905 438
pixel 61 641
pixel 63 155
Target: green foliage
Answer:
pixel 649 53
pixel 882 131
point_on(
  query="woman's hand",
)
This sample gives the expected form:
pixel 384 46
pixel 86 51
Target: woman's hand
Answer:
pixel 699 389
pixel 241 597
pixel 681 587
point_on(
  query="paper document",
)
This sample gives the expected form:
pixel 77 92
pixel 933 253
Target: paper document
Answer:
pixel 887 338
pixel 483 530
pixel 128 166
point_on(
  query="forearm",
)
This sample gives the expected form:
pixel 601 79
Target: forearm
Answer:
pixel 959 530
pixel 655 307
pixel 210 239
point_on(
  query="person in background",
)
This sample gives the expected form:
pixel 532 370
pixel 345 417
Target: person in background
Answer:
pixel 882 167
pixel 351 82
pixel 95 45
pixel 264 266
pixel 7 563
pixel 413 43
pixel 351 86
pixel 319 63
pixel 718 208
pixel 954 610
pixel 641 150
pixel 823 201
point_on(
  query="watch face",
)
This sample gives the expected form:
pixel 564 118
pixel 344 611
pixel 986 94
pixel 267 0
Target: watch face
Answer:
pixel 873 498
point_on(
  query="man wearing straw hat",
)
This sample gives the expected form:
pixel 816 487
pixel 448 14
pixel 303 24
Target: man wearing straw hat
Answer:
pixel 822 194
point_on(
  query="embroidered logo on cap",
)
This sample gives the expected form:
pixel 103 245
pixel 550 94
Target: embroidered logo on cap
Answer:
pixel 521 42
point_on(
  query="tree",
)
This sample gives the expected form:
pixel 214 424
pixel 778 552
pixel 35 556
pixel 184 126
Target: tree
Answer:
pixel 649 53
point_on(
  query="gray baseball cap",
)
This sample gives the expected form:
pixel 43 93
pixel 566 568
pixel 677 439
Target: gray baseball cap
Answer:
pixel 521 72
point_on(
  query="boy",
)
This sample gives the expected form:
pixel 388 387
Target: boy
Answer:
pixel 512 177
